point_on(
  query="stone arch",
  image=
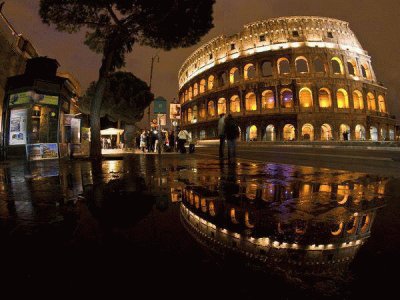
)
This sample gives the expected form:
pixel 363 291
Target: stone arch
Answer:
pixel 352 67
pixel 195 89
pixel 319 66
pixel 289 132
pixel 283 65
pixel 190 114
pixel 307 132
pixel 371 101
pixel 251 102
pixel 301 65
pixel 373 132
pixel 360 133
pixel 366 72
pixel 305 97
pixel 195 113
pixel 202 88
pixel 326 132
pixel 383 133
pixel 324 98
pixel 221 106
pixel 287 98
pixel 337 66
pixel 266 68
pixel 234 75
pixel 251 133
pixel 267 99
pixel 249 71
pixel 203 111
pixel 270 134
pixel 344 132
pixel 234 104
pixel 222 79
pixel 381 104
pixel 342 98
pixel 211 108
pixel 210 83
pixel 190 93
pixel 358 101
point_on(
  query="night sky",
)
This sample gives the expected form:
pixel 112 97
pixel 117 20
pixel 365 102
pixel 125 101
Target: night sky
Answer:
pixel 375 23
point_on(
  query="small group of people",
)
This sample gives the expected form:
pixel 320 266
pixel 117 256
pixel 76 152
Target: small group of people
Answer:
pixel 148 141
pixel 184 137
pixel 227 130
pixel 107 143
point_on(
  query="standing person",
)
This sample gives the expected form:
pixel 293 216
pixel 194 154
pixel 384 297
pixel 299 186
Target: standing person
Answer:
pixel 231 133
pixel 148 141
pixel 137 140
pixel 143 139
pixel 221 134
pixel 172 140
pixel 183 135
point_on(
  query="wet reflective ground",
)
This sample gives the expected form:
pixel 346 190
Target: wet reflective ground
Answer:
pixel 196 227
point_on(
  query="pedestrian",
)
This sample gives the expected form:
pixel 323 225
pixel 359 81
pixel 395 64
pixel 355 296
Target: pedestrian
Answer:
pixel 221 135
pixel 148 141
pixel 231 134
pixel 183 136
pixel 137 140
pixel 172 141
pixel 143 138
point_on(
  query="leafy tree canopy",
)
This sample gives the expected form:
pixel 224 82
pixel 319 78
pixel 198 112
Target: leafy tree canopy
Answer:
pixel 125 98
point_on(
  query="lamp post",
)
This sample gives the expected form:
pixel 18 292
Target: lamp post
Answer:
pixel 151 78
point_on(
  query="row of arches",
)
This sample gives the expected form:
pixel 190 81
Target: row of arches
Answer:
pixel 286 100
pixel 283 66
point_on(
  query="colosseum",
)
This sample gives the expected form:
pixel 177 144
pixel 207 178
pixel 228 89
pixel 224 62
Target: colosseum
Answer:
pixel 284 79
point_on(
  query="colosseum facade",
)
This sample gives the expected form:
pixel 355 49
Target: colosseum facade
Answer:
pixel 288 78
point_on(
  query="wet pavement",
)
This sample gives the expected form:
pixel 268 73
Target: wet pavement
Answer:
pixel 198 227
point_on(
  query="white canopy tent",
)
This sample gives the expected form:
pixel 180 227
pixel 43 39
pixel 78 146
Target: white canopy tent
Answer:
pixel 111 131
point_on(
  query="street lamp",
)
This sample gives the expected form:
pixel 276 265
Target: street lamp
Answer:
pixel 151 77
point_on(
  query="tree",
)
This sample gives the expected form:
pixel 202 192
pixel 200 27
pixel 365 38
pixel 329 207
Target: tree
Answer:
pixel 114 26
pixel 125 98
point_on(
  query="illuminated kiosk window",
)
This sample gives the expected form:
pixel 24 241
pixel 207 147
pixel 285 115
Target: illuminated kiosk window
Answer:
pixel 360 133
pixel 319 65
pixel 203 111
pixel 234 105
pixel 270 135
pixel 306 99
pixel 307 132
pixel 358 100
pixel 301 65
pixel 251 102
pixel 366 72
pixel 373 131
pixel 211 109
pixel 190 93
pixel 266 69
pixel 371 101
pixel 352 67
pixel 337 66
pixel 381 103
pixel 251 133
pixel 324 98
pixel 342 98
pixel 287 98
pixel 283 66
pixel 189 115
pixel 249 72
pixel 221 106
pixel 267 99
pixel 326 132
pixel 195 90
pixel 289 133
pixel 210 84
pixel 383 134
pixel 202 86
pixel 344 132
pixel 234 75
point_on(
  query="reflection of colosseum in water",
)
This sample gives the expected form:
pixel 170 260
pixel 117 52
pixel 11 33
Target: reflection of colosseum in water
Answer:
pixel 298 228
pixel 289 78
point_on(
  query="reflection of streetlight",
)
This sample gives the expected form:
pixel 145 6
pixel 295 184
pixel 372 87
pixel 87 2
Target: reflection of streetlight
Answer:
pixel 151 76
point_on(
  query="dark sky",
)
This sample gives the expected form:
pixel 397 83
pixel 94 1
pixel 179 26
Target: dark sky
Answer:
pixel 375 23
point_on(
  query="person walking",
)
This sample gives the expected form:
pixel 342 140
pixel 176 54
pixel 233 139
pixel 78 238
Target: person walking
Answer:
pixel 221 135
pixel 183 136
pixel 231 134
pixel 143 138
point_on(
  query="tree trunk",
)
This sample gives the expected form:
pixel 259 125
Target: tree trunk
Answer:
pixel 95 106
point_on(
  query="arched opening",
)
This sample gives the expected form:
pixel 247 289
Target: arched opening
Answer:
pixel 358 100
pixel 270 133
pixel 360 133
pixel 190 115
pixel 326 132
pixel 203 205
pixel 287 98
pixel 234 75
pixel 371 101
pixel 202 86
pixel 383 134
pixel 251 191
pixel 203 111
pixel 342 98
pixel 301 65
pixel 186 95
pixel 324 98
pixel 190 93
pixel 221 106
pixel 391 134
pixel 222 80
pixel 306 99
pixel 249 72
pixel 283 66
pixel 319 66
pixel 344 132
pixel 366 73
pixel 195 90
pixel 248 220
pixel 289 132
pixel 251 102
pixel 381 103
pixel 373 131
pixel 251 133
pixel 307 132
pixel 233 216
pixel 337 66
pixel 210 84
pixel 211 109
pixel 267 99
pixel 235 104
pixel 352 67
pixel 268 192
pixel 211 209
pixel 195 113
pixel 266 69
pixel 202 134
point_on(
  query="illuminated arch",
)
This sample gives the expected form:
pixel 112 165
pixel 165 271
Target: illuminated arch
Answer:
pixel 186 98
pixel 360 133
pixel 221 106
pixel 251 133
pixel 307 132
pixel 234 105
pixel 210 84
pixel 381 103
pixel 358 100
pixel 211 209
pixel 373 131
pixel 283 65
pixel 383 133
pixel 337 230
pixel 203 111
pixel 267 99
pixel 189 115
pixel 306 99
pixel 233 216
pixel 326 132
pixel 250 102
pixel 202 86
pixel 324 98
pixel 270 135
pixel 366 72
pixel 251 188
pixel 234 75
pixel 248 220
pixel 301 65
pixel 352 67
pixel 203 205
pixel 195 89
pixel 344 132
pixel 371 101
pixel 211 109
pixel 190 93
pixel 289 132
pixel 337 66
pixel 195 113
pixel 287 98
pixel 342 98
pixel 249 72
